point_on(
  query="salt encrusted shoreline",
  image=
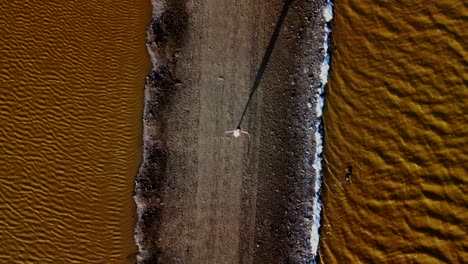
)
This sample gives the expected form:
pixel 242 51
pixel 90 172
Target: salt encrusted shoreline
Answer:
pixel 318 160
pixel 142 200
pixel 150 179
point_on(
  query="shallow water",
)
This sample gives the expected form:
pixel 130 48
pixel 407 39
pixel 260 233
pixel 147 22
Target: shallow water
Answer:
pixel 71 77
pixel 395 113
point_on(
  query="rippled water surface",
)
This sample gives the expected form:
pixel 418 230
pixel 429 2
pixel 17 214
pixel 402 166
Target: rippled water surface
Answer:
pixel 71 79
pixel 396 118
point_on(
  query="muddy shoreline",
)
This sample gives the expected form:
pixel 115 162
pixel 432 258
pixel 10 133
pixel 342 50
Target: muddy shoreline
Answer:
pixel 203 197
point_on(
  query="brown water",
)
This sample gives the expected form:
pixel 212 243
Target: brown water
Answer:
pixel 71 78
pixel 396 113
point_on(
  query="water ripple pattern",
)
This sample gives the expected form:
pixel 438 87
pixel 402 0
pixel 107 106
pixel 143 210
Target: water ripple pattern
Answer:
pixel 396 134
pixel 71 78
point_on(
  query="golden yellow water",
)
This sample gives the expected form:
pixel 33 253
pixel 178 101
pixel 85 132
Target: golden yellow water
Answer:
pixel 396 112
pixel 71 78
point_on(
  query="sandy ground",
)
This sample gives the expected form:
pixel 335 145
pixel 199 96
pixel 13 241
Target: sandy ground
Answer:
pixel 208 198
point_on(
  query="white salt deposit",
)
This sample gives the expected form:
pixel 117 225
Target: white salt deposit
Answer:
pixel 317 165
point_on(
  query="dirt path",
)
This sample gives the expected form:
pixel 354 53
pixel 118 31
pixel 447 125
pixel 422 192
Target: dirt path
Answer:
pixel 208 198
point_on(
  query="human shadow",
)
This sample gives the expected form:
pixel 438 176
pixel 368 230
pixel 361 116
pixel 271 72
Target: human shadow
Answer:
pixel 266 57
